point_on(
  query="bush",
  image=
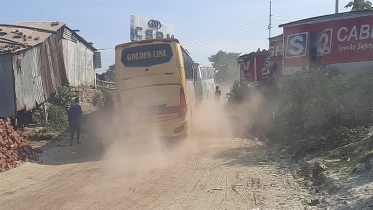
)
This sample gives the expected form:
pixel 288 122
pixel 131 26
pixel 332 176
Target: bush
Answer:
pixel 96 99
pixel 319 108
pixel 313 103
pixel 63 97
pixel 105 92
pixel 237 92
pixel 57 119
pixel 341 136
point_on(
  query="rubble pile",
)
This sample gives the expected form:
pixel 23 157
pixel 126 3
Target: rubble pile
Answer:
pixel 13 148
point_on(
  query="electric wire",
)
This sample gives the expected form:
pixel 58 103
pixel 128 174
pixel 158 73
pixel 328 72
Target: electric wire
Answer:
pixel 231 29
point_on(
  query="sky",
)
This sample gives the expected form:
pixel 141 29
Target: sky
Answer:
pixel 203 26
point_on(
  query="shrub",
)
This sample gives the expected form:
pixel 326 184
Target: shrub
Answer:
pixel 237 92
pixel 63 97
pixel 57 119
pixel 322 108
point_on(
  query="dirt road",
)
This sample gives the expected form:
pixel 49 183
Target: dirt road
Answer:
pixel 202 172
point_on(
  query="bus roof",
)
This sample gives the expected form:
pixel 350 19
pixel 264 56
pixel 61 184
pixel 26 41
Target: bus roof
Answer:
pixel 147 41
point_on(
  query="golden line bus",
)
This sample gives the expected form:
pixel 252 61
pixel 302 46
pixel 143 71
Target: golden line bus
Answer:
pixel 155 88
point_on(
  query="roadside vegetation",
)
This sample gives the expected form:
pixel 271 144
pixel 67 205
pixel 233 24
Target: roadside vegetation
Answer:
pixel 314 111
pixel 57 110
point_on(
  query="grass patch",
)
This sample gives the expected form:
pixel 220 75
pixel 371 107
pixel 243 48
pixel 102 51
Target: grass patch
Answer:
pixel 349 165
pixel 350 161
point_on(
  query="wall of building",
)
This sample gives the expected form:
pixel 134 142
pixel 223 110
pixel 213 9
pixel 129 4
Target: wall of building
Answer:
pixel 254 68
pixel 7 96
pixel 343 43
pixel 78 63
pixel 27 76
pixel 276 54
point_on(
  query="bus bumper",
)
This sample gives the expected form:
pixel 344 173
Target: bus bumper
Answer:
pixel 173 130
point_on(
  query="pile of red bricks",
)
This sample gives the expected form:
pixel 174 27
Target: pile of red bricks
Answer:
pixel 13 148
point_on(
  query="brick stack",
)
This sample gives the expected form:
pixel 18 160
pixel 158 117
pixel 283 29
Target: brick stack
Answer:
pixel 13 148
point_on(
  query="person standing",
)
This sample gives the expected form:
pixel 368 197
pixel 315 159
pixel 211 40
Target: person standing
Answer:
pixel 217 94
pixel 109 108
pixel 75 119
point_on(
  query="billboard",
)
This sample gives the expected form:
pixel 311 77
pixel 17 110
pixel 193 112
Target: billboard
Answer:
pixel 276 50
pixel 143 28
pixel 341 43
pixel 255 67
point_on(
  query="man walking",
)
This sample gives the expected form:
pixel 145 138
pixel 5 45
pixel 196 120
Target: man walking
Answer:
pixel 75 118
pixel 217 94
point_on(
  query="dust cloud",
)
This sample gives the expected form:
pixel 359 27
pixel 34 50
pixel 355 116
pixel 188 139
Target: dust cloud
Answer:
pixel 137 156
pixel 252 115
pixel 211 120
pixel 128 156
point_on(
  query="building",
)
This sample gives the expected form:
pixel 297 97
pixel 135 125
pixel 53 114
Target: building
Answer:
pixel 254 67
pixel 36 58
pixel 276 54
pixel 343 41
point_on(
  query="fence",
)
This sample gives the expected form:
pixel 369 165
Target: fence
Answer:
pixel 105 84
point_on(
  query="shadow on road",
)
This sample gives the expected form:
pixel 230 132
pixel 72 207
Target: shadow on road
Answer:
pixel 244 156
pixel 58 151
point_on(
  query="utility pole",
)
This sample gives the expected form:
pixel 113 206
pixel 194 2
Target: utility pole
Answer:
pixel 336 6
pixel 270 20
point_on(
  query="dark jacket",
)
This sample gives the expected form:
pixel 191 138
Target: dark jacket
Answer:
pixel 75 113
pixel 217 95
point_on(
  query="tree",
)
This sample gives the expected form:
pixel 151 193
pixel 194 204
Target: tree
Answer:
pixel 109 75
pixel 357 5
pixel 227 65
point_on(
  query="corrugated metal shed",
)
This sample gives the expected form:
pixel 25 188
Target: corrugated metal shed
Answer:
pixel 7 106
pixel 53 70
pixel 79 63
pixel 28 75
pixel 18 82
pixel 14 38
pixel 36 58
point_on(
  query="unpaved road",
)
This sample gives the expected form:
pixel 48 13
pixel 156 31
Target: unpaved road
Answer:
pixel 203 172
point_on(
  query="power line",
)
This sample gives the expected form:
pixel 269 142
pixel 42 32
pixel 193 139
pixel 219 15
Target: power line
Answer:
pixel 197 42
pixel 107 60
pixel 193 40
pixel 287 17
pixel 105 48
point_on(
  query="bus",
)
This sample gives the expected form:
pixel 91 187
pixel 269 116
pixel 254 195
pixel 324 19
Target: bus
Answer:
pixel 198 83
pixel 208 74
pixel 155 88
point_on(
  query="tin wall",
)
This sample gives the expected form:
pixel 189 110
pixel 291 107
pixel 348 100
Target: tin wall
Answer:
pixel 27 73
pixel 7 100
pixel 78 63
pixel 52 65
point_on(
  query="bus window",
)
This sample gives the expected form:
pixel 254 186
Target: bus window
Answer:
pixel 188 65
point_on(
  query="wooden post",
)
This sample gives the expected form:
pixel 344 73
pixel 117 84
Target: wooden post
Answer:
pixel 45 115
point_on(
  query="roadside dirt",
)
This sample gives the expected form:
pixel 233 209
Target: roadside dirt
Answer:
pixel 210 170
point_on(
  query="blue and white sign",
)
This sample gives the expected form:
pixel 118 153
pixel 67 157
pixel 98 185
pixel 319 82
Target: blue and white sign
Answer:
pixel 296 45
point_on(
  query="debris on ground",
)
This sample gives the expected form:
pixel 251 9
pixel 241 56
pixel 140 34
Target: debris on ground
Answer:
pixel 14 149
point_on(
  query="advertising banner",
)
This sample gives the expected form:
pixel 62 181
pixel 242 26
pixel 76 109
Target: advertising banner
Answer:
pixel 143 28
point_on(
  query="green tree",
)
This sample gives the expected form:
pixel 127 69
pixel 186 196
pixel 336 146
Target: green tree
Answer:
pixel 357 5
pixel 109 75
pixel 227 65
